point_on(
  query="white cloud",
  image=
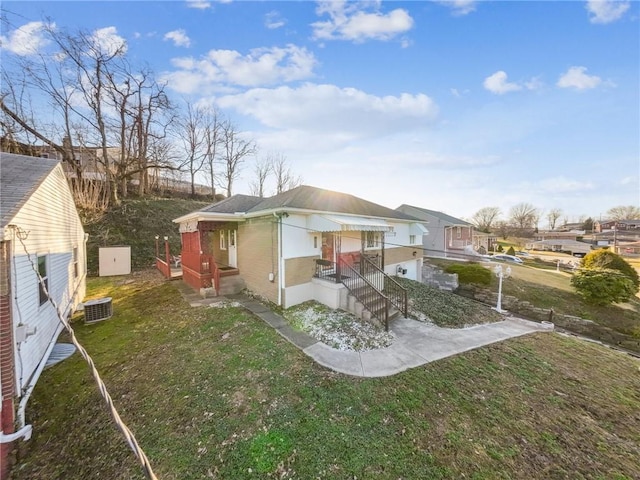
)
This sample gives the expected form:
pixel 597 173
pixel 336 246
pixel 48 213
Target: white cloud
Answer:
pixel 576 78
pixel 359 21
pixel 273 20
pixel 108 40
pixel 563 185
pixel 498 84
pixel 262 66
pixel 631 180
pixel 344 114
pixel 199 4
pixel 179 38
pixel 28 39
pixel 460 7
pixel 606 11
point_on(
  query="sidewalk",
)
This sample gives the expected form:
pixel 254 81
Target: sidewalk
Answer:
pixel 416 343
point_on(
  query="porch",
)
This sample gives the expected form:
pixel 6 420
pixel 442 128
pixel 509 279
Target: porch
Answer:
pixel 364 287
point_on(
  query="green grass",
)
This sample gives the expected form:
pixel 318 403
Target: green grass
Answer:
pixel 136 223
pixel 216 393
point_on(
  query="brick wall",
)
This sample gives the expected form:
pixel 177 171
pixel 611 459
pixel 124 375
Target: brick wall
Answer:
pixel 258 256
pixel 299 270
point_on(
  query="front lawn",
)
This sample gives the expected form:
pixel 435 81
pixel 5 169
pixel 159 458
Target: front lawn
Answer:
pixel 215 393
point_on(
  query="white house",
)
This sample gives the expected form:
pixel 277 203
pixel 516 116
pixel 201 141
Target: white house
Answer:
pixel 303 244
pixel 40 230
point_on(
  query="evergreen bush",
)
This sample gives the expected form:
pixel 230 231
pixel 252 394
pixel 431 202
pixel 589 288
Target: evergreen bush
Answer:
pixel 608 260
pixel 601 286
pixel 471 273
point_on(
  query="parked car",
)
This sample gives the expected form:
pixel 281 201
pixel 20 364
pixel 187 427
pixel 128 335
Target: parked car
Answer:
pixel 520 253
pixel 508 258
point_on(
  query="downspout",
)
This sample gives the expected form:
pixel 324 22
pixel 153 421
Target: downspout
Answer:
pixel 281 282
pixel 279 222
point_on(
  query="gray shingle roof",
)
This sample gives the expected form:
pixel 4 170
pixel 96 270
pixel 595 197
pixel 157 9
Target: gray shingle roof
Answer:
pixel 311 198
pixel 20 177
pixel 420 213
pixel 233 204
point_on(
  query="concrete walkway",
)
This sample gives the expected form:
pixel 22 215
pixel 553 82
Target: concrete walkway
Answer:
pixel 416 342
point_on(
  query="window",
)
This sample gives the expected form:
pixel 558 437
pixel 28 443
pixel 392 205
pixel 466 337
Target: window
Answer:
pixel 223 240
pixel 412 239
pixel 458 232
pixel 372 239
pixel 42 271
pixel 232 238
pixel 75 262
pixel 315 242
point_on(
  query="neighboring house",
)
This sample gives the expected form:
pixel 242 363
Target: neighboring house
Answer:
pixel 298 245
pixel 39 229
pixel 483 243
pixel 569 246
pixel 558 235
pixel 448 236
pixel 604 225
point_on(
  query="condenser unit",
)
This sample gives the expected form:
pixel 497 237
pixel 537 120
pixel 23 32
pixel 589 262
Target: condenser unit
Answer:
pixel 97 310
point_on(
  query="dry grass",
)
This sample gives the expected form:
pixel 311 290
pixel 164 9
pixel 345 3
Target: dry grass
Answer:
pixel 217 393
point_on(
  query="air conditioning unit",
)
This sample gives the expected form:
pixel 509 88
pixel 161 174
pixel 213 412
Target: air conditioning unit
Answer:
pixel 97 310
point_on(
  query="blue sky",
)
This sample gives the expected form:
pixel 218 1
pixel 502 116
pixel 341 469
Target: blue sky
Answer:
pixel 451 106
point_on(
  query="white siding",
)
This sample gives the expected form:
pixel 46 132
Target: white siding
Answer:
pixel 53 228
pixel 297 240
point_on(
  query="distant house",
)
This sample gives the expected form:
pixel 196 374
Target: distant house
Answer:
pixel 448 236
pixel 39 230
pixel 303 244
pixel 558 235
pixel 604 225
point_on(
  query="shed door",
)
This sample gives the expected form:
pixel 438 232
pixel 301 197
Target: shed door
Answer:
pixel 233 249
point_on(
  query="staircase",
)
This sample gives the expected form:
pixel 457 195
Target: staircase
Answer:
pixel 371 294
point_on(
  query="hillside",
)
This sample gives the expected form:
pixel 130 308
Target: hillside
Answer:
pixel 136 223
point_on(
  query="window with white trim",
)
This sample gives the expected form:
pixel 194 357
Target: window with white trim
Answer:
pixel 373 239
pixel 412 239
pixel 42 271
pixel 458 232
pixel 223 240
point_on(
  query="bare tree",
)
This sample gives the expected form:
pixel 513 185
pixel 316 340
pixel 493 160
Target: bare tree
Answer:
pixel 523 216
pixel 213 143
pixel 485 218
pixel 191 132
pixel 624 212
pixel 261 171
pixel 96 100
pixel 234 151
pixel 553 216
pixel 285 178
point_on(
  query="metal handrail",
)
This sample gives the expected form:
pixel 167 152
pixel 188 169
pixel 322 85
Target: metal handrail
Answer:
pixel 371 298
pixel 396 292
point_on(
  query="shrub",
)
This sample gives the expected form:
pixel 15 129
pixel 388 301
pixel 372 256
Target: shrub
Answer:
pixel 511 251
pixel 500 249
pixel 611 261
pixel 471 273
pixel 601 286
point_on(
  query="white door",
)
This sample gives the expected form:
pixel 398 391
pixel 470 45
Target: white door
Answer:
pixel 233 249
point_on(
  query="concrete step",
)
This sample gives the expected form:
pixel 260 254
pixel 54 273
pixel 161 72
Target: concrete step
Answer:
pixel 231 285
